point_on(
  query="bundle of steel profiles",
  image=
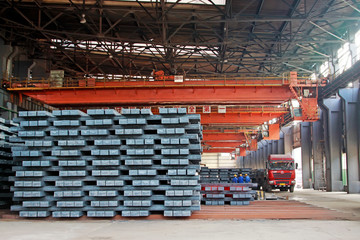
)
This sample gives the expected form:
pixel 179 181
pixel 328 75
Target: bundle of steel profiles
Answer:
pixel 227 193
pixel 6 162
pixel 102 163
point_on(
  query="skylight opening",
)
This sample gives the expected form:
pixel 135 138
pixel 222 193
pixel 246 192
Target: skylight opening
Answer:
pixel 357 44
pixel 199 2
pixel 103 47
pixel 313 76
pixel 117 77
pixel 344 57
pixel 325 69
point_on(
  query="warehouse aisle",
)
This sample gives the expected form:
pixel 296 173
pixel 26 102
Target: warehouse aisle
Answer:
pixel 338 201
pixel 308 214
pixel 177 229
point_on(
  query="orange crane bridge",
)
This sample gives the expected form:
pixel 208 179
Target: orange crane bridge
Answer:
pixel 233 111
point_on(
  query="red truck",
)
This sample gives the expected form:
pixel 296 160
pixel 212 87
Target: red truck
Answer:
pixel 279 173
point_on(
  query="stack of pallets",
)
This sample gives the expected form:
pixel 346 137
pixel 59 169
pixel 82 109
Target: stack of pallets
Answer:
pixel 103 164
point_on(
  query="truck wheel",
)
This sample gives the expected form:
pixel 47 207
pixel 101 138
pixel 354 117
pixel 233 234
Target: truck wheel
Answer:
pixel 268 188
pixel 292 188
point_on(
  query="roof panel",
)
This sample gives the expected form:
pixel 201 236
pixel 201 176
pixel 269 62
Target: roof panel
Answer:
pixel 193 38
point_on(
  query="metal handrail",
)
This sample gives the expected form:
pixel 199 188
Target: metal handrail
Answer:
pixel 46 83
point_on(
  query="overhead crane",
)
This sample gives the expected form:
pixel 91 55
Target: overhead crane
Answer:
pixel 146 93
pixel 250 102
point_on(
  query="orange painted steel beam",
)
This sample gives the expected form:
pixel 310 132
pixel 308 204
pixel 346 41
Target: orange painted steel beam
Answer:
pixel 192 82
pixel 222 144
pixel 222 82
pixel 219 150
pixel 237 118
pixel 165 95
pixel 223 136
pixel 229 131
pixel 243 109
pixel 42 84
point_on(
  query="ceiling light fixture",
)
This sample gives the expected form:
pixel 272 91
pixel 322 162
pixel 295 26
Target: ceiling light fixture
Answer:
pixel 83 20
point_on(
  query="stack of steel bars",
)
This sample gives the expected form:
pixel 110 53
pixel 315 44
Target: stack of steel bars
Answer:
pixel 228 193
pixel 218 175
pixel 6 162
pixel 102 163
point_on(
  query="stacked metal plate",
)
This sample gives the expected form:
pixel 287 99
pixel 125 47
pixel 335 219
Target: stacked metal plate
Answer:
pixel 6 162
pixel 218 175
pixel 103 164
pixel 228 193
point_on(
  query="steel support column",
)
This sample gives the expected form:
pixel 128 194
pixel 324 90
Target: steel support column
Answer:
pixel 351 122
pixel 306 154
pixel 332 136
pixel 318 154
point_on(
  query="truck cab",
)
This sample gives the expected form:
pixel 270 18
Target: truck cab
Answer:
pixel 280 172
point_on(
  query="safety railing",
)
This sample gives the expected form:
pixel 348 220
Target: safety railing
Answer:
pixel 25 103
pixel 353 59
pixel 236 109
pixel 18 84
pixel 338 71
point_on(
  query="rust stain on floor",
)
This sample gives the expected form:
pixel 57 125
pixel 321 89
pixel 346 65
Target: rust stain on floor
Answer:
pixel 270 210
pixel 280 209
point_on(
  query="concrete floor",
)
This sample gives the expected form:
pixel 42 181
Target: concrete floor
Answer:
pixel 173 230
pixel 338 201
pixel 199 229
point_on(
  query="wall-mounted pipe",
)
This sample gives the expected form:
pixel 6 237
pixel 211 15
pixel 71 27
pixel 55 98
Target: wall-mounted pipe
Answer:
pixel 9 59
pixel 29 69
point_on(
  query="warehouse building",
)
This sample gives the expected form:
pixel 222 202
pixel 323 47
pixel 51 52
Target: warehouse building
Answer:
pixel 146 109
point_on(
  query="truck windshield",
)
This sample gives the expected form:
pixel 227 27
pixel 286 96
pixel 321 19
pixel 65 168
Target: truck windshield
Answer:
pixel 281 165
